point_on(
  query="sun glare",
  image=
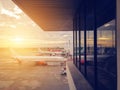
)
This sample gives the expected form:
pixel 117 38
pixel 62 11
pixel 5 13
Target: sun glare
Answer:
pixel 17 40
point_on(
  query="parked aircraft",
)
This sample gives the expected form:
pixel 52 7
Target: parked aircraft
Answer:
pixel 44 58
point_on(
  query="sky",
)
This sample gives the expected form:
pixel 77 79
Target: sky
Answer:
pixel 18 30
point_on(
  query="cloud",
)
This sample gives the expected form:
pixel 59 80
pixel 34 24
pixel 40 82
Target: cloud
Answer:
pixel 9 13
pixel 2 24
pixel 12 26
pixel 17 10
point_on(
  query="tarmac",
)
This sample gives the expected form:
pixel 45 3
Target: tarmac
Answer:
pixel 30 76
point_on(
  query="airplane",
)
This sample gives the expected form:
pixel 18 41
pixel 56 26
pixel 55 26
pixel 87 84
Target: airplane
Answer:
pixel 47 59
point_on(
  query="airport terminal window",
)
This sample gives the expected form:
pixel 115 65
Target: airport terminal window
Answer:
pixel 106 56
pixel 89 26
pixel 104 77
pixel 82 39
pixel 82 53
pixel 75 37
pixel 77 40
pixel 90 57
pixel 74 46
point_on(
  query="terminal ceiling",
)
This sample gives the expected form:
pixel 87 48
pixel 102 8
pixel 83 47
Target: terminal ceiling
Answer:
pixel 57 15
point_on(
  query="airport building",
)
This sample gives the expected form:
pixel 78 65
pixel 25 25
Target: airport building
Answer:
pixel 94 33
pixel 96 44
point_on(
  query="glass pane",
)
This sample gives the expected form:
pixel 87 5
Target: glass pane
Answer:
pixel 90 57
pixel 77 43
pixel 74 57
pixel 106 56
pixel 82 39
pixel 82 52
pixel 90 42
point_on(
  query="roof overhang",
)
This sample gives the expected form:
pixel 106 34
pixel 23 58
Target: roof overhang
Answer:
pixel 50 15
pixel 57 15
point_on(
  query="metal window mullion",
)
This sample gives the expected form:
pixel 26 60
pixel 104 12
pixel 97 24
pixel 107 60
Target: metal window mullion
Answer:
pixel 95 48
pixel 76 38
pixel 79 43
pixel 85 40
pixel 73 41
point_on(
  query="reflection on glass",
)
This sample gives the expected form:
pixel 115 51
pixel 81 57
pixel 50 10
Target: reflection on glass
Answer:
pixel 106 56
pixel 90 57
pixel 82 52
pixel 74 43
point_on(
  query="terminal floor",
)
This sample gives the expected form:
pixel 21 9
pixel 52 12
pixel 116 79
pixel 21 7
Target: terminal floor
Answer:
pixel 31 77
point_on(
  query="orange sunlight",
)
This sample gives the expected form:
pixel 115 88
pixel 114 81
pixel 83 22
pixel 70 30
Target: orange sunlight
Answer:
pixel 18 40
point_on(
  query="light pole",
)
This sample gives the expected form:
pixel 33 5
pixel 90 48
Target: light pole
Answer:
pixel 69 46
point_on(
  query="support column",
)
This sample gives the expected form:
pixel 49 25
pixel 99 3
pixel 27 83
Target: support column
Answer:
pixel 118 44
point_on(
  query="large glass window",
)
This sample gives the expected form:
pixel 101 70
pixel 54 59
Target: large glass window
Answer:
pixel 97 44
pixel 90 57
pixel 82 53
pixel 82 40
pixel 106 56
pixel 74 44
pixel 90 65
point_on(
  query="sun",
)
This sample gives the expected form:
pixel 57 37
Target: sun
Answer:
pixel 17 40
